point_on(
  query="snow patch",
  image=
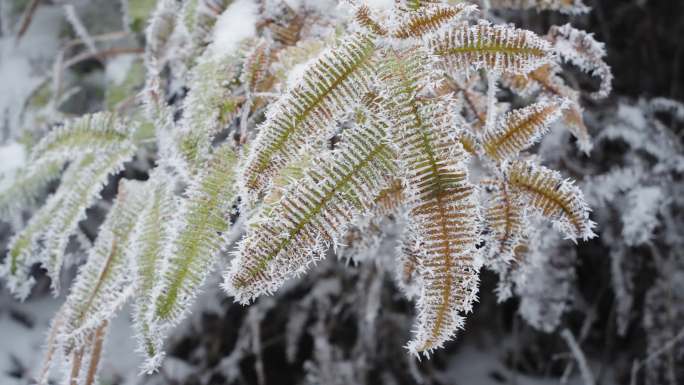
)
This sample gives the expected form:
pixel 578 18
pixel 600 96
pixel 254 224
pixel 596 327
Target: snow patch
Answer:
pixel 236 23
pixel 20 63
pixel 12 157
pixel 118 67
pixel 642 216
pixel 380 4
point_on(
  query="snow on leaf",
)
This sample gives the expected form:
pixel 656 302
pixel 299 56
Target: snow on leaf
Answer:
pixel 497 48
pixel 553 197
pixel 328 88
pixel 312 214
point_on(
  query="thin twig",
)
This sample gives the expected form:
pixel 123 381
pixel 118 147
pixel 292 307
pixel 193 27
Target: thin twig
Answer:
pixel 664 349
pixel 492 78
pixel 26 19
pixel 79 27
pixel 586 373
pixel 100 55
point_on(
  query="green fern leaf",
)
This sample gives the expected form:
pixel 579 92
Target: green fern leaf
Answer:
pixel 98 132
pixel 313 213
pixel 105 282
pixel 209 106
pixel 23 249
pixel 328 88
pixel 57 220
pixel 77 197
pixel 26 188
pixel 148 251
pixel 206 220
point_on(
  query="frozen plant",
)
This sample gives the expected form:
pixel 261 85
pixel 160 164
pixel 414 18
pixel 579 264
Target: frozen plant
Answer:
pixel 298 124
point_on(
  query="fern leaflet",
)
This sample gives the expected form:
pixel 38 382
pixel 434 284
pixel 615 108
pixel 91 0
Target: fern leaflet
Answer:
pixel 312 214
pixel 328 87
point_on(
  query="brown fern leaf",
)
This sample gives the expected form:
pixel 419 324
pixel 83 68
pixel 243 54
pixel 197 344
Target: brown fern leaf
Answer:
pixel 582 50
pixel 547 77
pixel 469 142
pixel 430 20
pixel 546 80
pixel 390 198
pixel 96 353
pixel 497 48
pixel 553 197
pixel 574 120
pixel 408 268
pixel 363 17
pixel 505 218
pixel 543 79
pixel 474 101
pixel 443 211
pixel 255 67
pixel 520 129
pixel 286 27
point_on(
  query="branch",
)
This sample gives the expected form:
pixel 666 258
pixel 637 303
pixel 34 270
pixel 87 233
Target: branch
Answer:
pixel 26 19
pixel 587 375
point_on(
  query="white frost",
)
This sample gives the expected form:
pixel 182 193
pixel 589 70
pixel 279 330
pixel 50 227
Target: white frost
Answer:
pixel 118 67
pixel 12 156
pixel 236 23
pixel 641 217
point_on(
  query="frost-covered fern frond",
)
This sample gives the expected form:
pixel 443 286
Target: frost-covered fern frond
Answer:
pixel 99 132
pixel 312 214
pixel 364 18
pixel 209 106
pixel 390 198
pixel 105 281
pixel 159 32
pixel 442 207
pixel 78 196
pixel 56 221
pixel 521 128
pixel 205 221
pixel 199 18
pixel 256 67
pixel 582 50
pixel 328 88
pixel 505 218
pixel 149 249
pixel 429 20
pixel 497 48
pixel 314 133
pixel 27 186
pixel 546 82
pixel 553 197
pixel 82 365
